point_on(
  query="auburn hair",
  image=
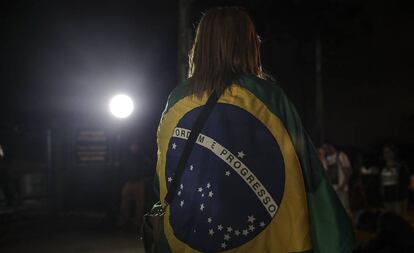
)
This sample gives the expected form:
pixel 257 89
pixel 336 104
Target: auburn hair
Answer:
pixel 226 46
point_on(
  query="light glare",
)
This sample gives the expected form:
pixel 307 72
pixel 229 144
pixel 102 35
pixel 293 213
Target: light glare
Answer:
pixel 121 106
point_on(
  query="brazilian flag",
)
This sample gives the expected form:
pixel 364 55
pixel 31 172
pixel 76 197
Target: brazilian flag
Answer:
pixel 253 182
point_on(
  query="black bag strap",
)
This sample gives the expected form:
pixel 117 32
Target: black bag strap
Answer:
pixel 195 131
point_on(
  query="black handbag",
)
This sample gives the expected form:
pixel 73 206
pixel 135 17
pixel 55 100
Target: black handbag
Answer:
pixel 153 221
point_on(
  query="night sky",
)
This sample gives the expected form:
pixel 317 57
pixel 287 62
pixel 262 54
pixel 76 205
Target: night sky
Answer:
pixel 62 60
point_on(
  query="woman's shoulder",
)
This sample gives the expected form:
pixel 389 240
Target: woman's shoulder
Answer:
pixel 268 91
pixel 259 84
pixel 176 94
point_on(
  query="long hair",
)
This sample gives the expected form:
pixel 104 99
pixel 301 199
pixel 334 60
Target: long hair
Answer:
pixel 226 46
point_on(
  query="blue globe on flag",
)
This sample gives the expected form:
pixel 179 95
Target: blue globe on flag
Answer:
pixel 233 182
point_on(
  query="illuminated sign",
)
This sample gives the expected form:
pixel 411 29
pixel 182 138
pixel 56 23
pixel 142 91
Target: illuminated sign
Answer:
pixel 91 147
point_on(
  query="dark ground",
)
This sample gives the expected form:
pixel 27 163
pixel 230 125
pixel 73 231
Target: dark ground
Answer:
pixel 23 230
pixel 71 232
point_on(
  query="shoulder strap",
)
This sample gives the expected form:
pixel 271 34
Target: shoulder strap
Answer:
pixel 195 131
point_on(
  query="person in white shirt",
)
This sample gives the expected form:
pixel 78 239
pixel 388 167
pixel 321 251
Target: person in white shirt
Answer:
pixel 338 169
pixel 395 180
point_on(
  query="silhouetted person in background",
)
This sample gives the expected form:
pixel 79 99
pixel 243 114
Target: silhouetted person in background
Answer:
pixel 338 169
pixel 394 181
pixel 134 173
pixel 5 186
pixel 357 194
pixel 369 172
pixel 322 156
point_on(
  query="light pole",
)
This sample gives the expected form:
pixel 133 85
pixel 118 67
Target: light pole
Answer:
pixel 121 107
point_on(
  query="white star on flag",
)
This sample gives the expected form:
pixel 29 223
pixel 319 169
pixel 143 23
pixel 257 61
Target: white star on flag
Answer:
pixel 202 207
pixel 211 232
pixel 191 167
pixel 179 193
pixel 228 173
pixel 223 245
pixel 226 237
pixel 174 146
pixel 170 179
pixel 182 203
pixel 262 224
pixel 229 229
pixel 241 154
pixel 181 186
pixel 208 185
pixel 251 228
pixel 251 219
pixel 200 189
pixel 245 232
pixel 237 232
pixel 209 220
pixel 210 194
pixel 220 227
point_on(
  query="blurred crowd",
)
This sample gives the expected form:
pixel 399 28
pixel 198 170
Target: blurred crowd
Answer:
pixel 376 190
pixel 377 193
pixel 134 187
pixel 383 183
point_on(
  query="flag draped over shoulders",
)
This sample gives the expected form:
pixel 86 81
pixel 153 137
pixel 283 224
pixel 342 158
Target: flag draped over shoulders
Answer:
pixel 253 182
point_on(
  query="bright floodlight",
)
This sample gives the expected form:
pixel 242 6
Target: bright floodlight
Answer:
pixel 121 106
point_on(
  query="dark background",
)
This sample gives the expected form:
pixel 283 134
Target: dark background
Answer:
pixel 65 59
pixel 61 61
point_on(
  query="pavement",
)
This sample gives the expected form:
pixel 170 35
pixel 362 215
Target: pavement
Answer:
pixel 23 231
pixel 65 234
